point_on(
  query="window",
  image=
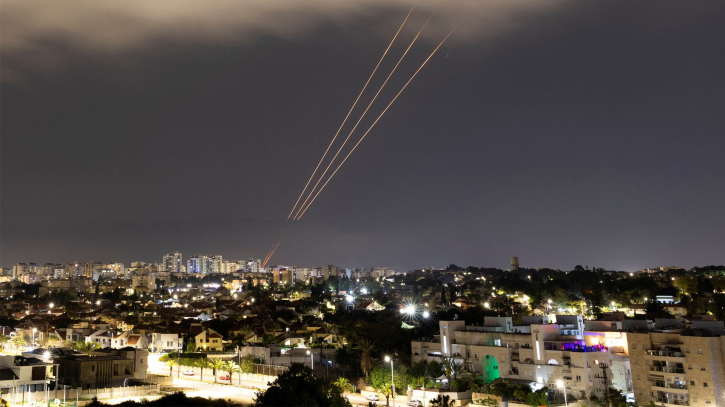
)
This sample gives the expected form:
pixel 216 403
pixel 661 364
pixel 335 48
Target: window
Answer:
pixel 702 368
pixel 689 367
pixel 579 378
pixel 652 394
pixel 93 368
pixel 699 351
pixel 634 346
pixel 638 378
pixel 692 382
pixel 707 402
pixel 704 384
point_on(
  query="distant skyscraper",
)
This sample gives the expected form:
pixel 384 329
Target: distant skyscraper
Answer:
pixel 215 264
pixel 172 262
pixel 253 266
pixel 514 263
pixel 198 264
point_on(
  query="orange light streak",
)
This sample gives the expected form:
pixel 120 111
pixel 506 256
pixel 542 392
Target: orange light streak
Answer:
pixel 361 117
pixel 348 113
pixel 375 122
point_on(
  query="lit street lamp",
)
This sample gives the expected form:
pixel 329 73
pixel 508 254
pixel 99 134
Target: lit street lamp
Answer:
pixel 560 384
pixel 392 379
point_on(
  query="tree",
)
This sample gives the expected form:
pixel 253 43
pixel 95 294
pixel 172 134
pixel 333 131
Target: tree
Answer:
pixel 298 386
pixel 231 368
pixel 86 347
pixel 380 380
pixel 19 341
pixel 442 401
pixel 343 384
pixel 202 364
pixel 216 364
pixel 247 365
pixel 366 347
pixel 191 346
pixel 171 363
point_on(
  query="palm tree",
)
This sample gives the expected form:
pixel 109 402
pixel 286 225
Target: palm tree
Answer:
pixel 232 368
pixel 202 364
pixel 367 347
pixel 448 367
pixel 86 347
pixel 171 363
pixel 343 384
pixel 216 364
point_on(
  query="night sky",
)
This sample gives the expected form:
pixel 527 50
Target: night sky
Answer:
pixel 564 133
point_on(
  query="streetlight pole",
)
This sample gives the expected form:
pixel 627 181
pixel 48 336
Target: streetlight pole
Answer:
pixel 560 384
pixel 312 361
pixel 392 378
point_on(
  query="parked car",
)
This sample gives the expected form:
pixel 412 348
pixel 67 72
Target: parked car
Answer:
pixel 373 397
pixel 188 373
pixel 414 403
pixel 225 377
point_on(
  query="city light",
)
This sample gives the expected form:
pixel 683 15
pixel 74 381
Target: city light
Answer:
pixel 350 299
pixel 426 314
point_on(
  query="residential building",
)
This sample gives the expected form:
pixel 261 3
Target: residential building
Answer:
pixel 105 368
pixel 24 374
pixel 678 363
pixel 534 352
pixel 172 262
pixel 198 264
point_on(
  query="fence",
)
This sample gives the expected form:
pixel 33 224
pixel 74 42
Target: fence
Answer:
pixel 269 370
pixel 70 395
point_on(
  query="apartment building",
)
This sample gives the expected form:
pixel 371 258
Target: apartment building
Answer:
pixel 535 351
pixel 679 364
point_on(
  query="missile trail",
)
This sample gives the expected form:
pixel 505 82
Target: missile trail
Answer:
pixel 361 117
pixel 275 246
pixel 348 113
pixel 298 217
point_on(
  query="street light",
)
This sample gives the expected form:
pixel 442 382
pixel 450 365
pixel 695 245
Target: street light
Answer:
pixel 392 378
pixel 312 361
pixel 426 314
pixel 560 384
pixel 486 305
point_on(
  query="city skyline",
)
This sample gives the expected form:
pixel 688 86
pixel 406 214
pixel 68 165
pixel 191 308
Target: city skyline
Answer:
pixel 539 130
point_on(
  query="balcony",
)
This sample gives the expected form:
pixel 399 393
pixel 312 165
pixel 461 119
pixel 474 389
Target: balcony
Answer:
pixel 669 387
pixel 665 369
pixel 673 402
pixel 667 353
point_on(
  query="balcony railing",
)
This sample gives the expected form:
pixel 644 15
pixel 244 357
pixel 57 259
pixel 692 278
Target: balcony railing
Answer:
pixel 669 385
pixel 667 353
pixel 666 369
pixel 674 401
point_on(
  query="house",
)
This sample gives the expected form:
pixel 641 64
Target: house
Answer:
pixel 206 339
pixel 102 338
pixel 25 373
pixel 128 338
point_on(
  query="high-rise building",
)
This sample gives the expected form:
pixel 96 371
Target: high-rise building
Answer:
pixel 198 264
pixel 253 266
pixel 514 263
pixel 215 263
pixel 172 262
